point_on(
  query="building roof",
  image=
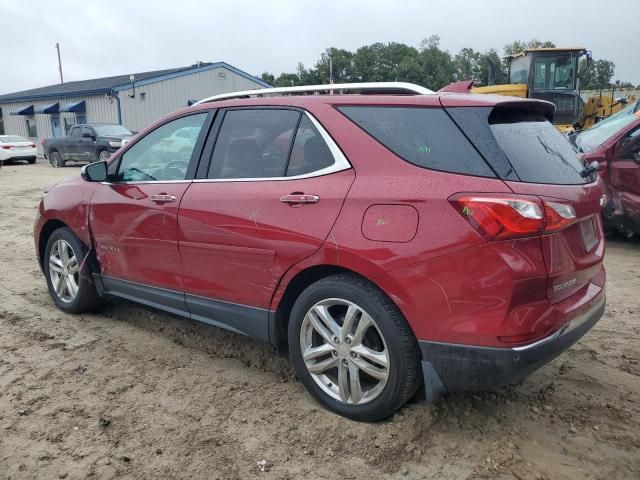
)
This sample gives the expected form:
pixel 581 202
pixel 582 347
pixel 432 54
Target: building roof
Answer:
pixel 117 83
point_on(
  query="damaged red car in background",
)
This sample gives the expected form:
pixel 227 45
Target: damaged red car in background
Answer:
pixel 615 144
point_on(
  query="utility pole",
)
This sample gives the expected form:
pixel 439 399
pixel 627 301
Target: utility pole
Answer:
pixel 59 62
pixel 330 71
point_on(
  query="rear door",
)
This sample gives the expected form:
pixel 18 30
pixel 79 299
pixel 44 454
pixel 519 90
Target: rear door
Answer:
pixel 72 144
pixel 134 216
pixel 86 145
pixel 273 189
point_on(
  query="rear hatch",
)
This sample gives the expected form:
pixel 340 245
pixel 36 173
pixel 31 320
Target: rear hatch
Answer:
pixel 535 159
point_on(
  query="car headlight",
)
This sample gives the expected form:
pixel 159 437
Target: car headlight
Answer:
pixel 115 144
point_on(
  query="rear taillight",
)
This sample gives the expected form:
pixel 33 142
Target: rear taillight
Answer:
pixel 33 145
pixel 499 217
pixel 558 216
pixel 7 147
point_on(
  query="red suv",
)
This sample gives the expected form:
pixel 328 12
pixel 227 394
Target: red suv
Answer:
pixel 390 238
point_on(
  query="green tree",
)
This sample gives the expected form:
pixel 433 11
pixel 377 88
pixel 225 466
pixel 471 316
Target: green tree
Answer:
pixel 518 46
pixel 342 63
pixel 467 64
pixel 437 69
pixel 287 80
pixel 268 77
pixel 602 73
pixel 597 75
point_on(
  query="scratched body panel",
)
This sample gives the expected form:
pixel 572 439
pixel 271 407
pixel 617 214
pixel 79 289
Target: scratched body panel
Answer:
pixel 237 239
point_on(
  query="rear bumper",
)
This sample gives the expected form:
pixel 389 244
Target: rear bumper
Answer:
pixel 452 367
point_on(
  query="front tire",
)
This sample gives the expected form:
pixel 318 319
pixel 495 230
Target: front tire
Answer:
pixel 68 275
pixel 55 159
pixel 352 349
pixel 103 156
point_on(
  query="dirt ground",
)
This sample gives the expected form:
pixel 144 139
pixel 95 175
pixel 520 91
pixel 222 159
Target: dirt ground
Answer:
pixel 134 393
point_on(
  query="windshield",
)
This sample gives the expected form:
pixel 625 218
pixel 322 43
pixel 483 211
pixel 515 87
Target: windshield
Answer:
pixel 592 138
pixel 554 72
pixel 109 130
pixel 519 70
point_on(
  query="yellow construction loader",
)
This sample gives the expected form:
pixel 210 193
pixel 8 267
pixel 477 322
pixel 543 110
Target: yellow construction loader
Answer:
pixel 552 74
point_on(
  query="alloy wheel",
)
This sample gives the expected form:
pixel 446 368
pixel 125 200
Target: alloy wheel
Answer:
pixel 63 271
pixel 344 351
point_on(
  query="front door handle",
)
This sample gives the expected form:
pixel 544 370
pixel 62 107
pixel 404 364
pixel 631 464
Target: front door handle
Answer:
pixel 299 198
pixel 163 198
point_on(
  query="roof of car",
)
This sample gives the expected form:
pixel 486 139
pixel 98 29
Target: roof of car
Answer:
pixel 438 99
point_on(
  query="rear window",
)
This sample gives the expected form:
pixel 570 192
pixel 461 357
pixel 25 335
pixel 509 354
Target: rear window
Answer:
pixel 537 151
pixel 425 137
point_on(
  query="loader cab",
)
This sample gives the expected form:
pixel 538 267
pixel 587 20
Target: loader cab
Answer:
pixel 550 74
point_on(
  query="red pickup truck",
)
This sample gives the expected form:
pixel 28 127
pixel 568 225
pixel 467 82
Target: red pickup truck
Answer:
pixel 615 144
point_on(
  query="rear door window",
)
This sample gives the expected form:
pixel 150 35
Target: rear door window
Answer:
pixel 310 153
pixel 254 143
pixel 425 137
pixel 537 151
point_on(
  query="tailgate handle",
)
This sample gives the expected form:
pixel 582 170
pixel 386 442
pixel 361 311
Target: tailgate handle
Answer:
pixel 163 198
pixel 299 198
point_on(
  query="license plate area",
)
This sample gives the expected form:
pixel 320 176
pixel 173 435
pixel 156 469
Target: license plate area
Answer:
pixel 589 237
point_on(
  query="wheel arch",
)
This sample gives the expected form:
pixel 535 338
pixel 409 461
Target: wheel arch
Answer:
pixel 295 286
pixel 47 230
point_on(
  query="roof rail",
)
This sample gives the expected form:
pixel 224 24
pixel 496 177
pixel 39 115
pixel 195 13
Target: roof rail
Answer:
pixel 367 87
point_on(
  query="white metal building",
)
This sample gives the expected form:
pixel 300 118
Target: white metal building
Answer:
pixel 130 100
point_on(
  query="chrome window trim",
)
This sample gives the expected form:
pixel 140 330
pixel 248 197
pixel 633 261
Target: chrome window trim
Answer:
pixel 340 162
pixel 146 182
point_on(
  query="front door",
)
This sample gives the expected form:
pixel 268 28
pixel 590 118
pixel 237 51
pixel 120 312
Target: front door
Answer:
pixel 134 217
pixel 625 175
pixel 273 191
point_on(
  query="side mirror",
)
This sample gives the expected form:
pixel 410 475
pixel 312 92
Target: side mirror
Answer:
pixel 87 135
pixel 94 172
pixel 636 156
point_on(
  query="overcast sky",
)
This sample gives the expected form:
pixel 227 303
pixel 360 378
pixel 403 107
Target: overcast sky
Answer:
pixel 99 39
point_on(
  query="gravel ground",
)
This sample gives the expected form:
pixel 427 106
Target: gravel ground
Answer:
pixel 134 393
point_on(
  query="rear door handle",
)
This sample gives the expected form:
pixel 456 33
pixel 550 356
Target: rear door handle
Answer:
pixel 299 198
pixel 163 198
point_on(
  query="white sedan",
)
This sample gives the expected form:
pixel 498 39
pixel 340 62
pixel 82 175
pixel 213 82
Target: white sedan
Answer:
pixel 15 147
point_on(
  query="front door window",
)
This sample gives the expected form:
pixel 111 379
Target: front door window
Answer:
pixel 164 154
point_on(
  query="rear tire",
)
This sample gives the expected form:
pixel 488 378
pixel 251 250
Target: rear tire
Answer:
pixel 68 274
pixel 32 161
pixel 55 159
pixel 366 364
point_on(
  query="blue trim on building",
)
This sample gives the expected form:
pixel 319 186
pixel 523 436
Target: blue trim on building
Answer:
pixel 80 93
pixel 22 111
pixel 48 109
pixel 76 107
pixel 115 95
